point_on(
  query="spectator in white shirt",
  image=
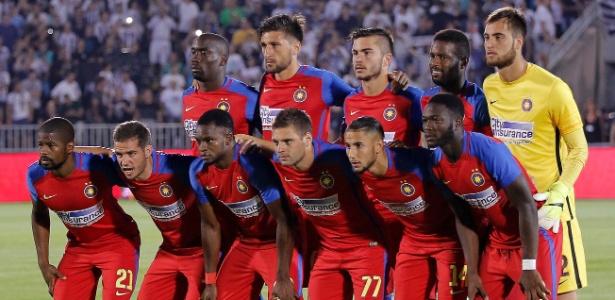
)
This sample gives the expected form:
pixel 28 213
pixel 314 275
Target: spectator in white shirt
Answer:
pixel 129 88
pixel 171 98
pixel 188 11
pixel 376 18
pixel 20 110
pixel 67 87
pixel 173 77
pixel 161 26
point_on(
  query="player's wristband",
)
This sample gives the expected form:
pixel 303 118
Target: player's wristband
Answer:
pixel 528 264
pixel 210 278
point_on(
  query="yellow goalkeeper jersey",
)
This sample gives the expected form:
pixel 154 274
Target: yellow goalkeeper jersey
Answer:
pixel 530 115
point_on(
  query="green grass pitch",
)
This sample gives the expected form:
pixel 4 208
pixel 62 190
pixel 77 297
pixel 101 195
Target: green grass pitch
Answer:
pixel 20 277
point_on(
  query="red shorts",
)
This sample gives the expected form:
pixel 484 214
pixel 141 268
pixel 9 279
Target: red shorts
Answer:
pixel 246 267
pixel 500 269
pixel 82 270
pixel 172 276
pixel 418 269
pixel 334 272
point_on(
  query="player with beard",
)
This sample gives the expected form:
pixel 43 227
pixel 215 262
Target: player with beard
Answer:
pixel 213 89
pixel 430 252
pixel 399 114
pixel 287 83
pixel 449 57
pixel 102 238
pixel 534 113
pixel 482 179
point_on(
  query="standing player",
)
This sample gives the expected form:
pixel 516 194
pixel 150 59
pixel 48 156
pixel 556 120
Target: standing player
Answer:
pixel 250 260
pixel 534 113
pixel 399 114
pixel 289 84
pixel 213 89
pixel 324 191
pixel 160 183
pixel 102 238
pixel 488 182
pixel 399 179
pixel 449 57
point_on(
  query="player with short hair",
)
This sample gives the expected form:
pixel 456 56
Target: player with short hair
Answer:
pixel 399 178
pixel 245 184
pixel 213 89
pixel 400 113
pixel 161 185
pixel 102 238
pixel 449 57
pixel 534 113
pixel 324 191
pixel 488 182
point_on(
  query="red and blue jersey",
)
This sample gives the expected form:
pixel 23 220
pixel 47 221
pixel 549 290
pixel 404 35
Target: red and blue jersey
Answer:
pixel 329 196
pixel 234 97
pixel 84 202
pixel 400 114
pixel 311 90
pixel 479 177
pixel 407 190
pixel 167 197
pixel 245 187
pixel 476 113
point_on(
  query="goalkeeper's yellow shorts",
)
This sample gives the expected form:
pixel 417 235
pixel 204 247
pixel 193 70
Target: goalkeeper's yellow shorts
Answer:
pixel 574 272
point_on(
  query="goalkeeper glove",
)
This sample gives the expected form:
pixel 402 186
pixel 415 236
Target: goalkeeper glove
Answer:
pixel 550 213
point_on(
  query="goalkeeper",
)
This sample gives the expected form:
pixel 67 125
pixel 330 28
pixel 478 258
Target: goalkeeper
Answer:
pixel 534 113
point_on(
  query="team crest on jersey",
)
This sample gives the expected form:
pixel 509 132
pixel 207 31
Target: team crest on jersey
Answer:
pixel 300 94
pixel 326 180
pixel 527 104
pixel 224 105
pixel 242 187
pixel 407 189
pixel 390 113
pixel 166 190
pixel 477 179
pixel 90 190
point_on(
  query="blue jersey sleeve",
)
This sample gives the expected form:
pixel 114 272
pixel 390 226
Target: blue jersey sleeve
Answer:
pixel 336 155
pixel 35 172
pixel 334 89
pixel 101 163
pixel 262 176
pixel 416 112
pixel 412 160
pixel 498 160
pixel 195 167
pixel 178 165
pixel 481 111
pixel 252 110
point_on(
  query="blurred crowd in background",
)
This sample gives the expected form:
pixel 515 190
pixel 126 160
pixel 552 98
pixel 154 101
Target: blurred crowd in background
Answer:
pixel 109 61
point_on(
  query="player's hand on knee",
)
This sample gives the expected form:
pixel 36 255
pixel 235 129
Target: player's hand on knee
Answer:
pixel 399 81
pixel 550 213
pixel 533 286
pixel 475 287
pixel 51 274
pixel 283 289
pixel 210 292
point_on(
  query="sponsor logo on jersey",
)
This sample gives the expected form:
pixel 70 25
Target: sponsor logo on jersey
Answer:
pixel 242 187
pixel 224 105
pixel 326 180
pixel 483 199
pixel 319 207
pixel 90 190
pixel 268 115
pixel 511 132
pixel 389 113
pixel 526 104
pixel 165 190
pixel 84 217
pixel 413 207
pixel 248 208
pixel 190 127
pixel 477 179
pixel 407 189
pixel 165 213
pixel 300 94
